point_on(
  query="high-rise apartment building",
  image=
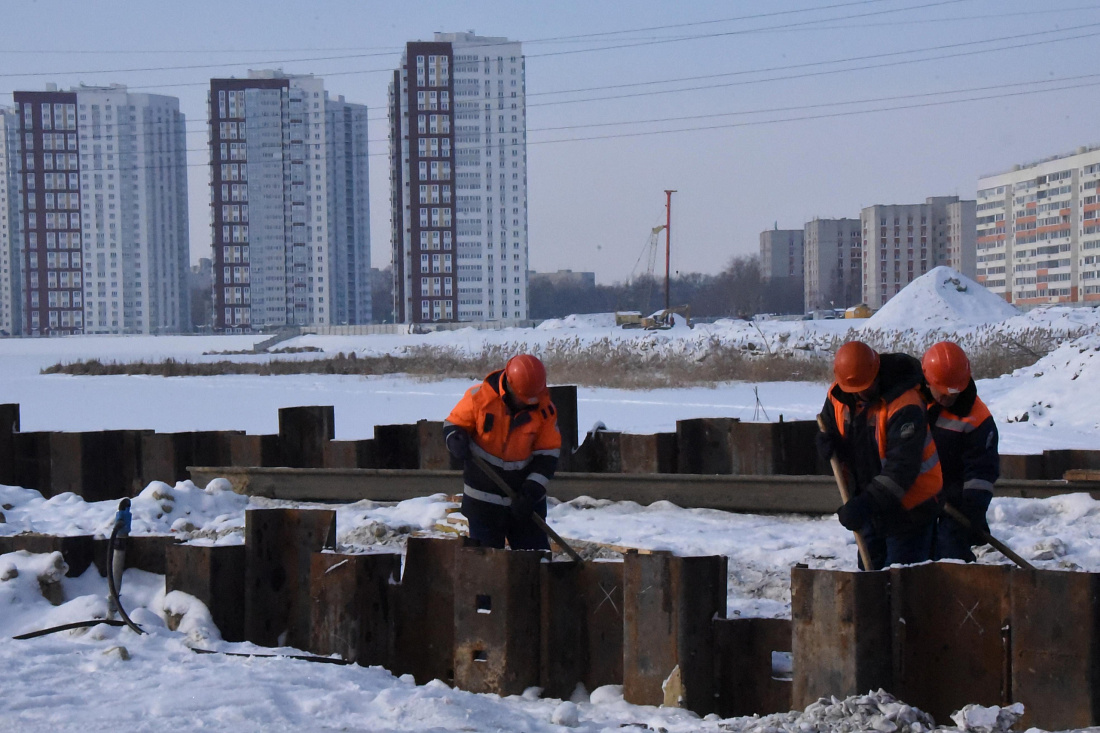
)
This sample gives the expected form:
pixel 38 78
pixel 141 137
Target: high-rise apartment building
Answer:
pixel 781 252
pixel 291 227
pixel 833 257
pixel 103 187
pixel 1039 230
pixel 458 180
pixel 11 225
pixel 903 242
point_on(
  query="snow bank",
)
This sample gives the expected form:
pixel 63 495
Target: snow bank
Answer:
pixel 1053 393
pixel 942 296
pixel 159 509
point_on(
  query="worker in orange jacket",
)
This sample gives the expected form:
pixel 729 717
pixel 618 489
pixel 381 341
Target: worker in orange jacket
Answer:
pixel 966 439
pixel 875 423
pixel 510 423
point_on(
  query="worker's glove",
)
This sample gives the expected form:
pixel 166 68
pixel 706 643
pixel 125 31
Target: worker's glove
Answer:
pixel 828 444
pixel 973 504
pixel 529 494
pixel 857 512
pixel 458 443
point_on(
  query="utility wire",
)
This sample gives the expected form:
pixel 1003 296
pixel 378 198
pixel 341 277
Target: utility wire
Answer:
pixel 345 57
pixel 623 135
pixel 203 124
pixel 811 64
pixel 819 116
pixel 726 34
pixel 827 72
pixel 812 106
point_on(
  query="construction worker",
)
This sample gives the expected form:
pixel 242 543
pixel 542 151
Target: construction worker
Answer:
pixel 875 423
pixel 509 422
pixel 966 440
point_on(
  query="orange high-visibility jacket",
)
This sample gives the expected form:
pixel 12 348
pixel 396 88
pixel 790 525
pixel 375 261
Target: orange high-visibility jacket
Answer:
pixel 521 446
pixel 887 442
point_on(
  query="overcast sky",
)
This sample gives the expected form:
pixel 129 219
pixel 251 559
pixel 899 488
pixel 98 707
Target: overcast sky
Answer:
pixel 868 80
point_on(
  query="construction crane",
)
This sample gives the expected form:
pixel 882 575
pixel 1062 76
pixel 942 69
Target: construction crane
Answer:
pixel 662 319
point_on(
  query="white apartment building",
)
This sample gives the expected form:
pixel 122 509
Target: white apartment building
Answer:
pixel 833 263
pixel 903 242
pixel 458 180
pixel 289 191
pixel 104 212
pixel 1038 230
pixel 11 224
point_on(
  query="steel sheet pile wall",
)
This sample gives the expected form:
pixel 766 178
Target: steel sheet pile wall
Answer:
pixel 942 635
pixel 113 464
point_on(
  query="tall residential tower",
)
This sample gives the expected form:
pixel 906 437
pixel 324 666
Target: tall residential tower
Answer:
pixel 291 228
pixel 458 180
pixel 103 187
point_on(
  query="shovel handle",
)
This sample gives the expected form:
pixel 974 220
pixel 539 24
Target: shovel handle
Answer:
pixel 511 494
pixel 1004 549
pixel 842 486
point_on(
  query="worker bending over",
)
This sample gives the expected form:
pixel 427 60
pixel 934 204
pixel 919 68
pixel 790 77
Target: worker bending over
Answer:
pixel 509 422
pixel 875 423
pixel 966 440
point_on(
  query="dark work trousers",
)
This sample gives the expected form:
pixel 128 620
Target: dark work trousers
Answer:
pixel 898 547
pixel 492 524
pixel 952 540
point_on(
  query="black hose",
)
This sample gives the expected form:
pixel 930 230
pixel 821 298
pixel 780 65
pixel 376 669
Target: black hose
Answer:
pixel 67 627
pixel 111 581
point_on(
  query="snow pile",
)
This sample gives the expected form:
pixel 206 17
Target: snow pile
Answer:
pixel 159 509
pixel 380 524
pixel 1053 392
pixel 940 297
pixel 876 711
pixel 993 719
pixel 584 320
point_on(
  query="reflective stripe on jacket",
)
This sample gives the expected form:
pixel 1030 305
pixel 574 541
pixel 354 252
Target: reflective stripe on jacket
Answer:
pixel 521 446
pixel 966 439
pixel 901 454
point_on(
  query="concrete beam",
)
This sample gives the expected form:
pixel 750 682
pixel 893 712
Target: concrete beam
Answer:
pixel 780 494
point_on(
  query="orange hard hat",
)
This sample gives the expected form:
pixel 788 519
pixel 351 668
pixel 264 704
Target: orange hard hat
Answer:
pixel 946 367
pixel 855 366
pixel 526 377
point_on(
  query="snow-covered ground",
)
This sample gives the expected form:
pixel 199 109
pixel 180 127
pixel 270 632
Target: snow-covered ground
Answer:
pixel 107 677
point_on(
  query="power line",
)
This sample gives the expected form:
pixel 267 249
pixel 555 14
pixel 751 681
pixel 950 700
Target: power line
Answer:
pixel 345 57
pixel 823 73
pixel 746 31
pixel 759 123
pixel 813 63
pixel 204 125
pixel 814 106
pixel 754 123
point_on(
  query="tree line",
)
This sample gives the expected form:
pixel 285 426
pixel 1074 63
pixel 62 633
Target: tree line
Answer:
pixel 738 291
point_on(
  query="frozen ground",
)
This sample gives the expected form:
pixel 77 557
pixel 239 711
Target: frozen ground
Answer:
pixel 81 680
pixel 84 680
